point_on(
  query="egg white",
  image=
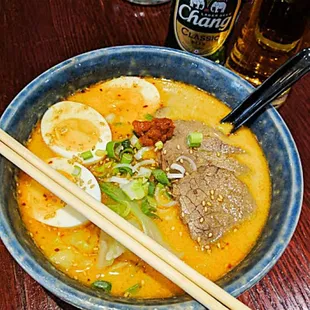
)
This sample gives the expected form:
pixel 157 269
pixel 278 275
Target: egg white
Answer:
pixel 148 90
pixel 73 110
pixel 67 216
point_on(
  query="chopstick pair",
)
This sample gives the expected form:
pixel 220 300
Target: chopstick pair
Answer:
pixel 200 288
pixel 275 85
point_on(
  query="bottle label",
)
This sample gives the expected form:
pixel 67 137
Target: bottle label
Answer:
pixel 202 26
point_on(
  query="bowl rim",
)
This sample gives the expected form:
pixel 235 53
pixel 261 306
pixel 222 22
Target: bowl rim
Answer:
pixel 68 293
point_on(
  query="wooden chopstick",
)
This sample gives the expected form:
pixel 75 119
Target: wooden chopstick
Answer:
pixel 123 225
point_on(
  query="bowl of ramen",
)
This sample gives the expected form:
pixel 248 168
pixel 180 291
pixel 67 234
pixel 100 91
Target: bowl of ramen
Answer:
pixel 137 127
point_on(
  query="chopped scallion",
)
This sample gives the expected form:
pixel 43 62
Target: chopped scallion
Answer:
pixel 151 189
pixel 133 289
pixel 148 209
pixel 111 149
pixel 87 155
pixel 148 117
pixel 126 158
pixel 76 171
pixel 101 153
pixel 194 139
pixel 126 143
pixel 159 145
pixel 161 176
pixel 102 285
pixel 138 145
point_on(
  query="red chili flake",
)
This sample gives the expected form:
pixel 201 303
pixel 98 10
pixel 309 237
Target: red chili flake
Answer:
pixel 83 91
pixel 44 195
pixel 100 89
pixel 229 266
pixel 23 204
pixel 119 95
pixel 56 250
pixel 145 106
pixel 50 162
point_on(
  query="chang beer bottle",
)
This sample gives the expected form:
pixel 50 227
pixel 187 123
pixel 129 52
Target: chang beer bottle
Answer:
pixel 202 26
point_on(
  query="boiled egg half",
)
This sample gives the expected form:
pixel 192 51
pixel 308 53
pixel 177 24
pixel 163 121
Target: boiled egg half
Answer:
pixel 55 212
pixel 130 97
pixel 75 129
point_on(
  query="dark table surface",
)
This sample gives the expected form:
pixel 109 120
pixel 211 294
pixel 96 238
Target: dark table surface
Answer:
pixel 37 34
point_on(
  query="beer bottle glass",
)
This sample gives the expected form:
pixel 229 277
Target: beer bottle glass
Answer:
pixel 202 26
pixel 272 34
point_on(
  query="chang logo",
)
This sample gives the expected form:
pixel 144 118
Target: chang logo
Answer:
pixel 197 4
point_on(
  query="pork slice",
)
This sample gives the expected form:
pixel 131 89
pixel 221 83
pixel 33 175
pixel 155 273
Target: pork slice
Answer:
pixel 212 201
pixel 212 150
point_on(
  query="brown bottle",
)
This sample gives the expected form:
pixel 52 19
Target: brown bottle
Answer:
pixel 270 37
pixel 202 26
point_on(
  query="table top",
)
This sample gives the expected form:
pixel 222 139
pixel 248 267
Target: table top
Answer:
pixel 37 34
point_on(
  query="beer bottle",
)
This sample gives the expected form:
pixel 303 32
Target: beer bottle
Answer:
pixel 202 26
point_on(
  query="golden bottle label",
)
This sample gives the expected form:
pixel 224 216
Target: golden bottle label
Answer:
pixel 202 26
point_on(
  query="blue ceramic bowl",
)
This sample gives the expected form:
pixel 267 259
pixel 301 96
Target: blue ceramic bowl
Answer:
pixel 80 71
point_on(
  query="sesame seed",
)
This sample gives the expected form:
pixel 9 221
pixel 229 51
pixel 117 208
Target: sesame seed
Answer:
pixel 164 152
pixel 219 245
pixel 202 248
pixel 210 235
pixel 186 173
pixel 235 229
pixel 207 247
pixel 209 204
pixel 92 186
pixel 181 233
pixel 182 214
pixel 75 277
pixel 31 234
pixel 212 197
pixel 181 161
pixel 178 147
pixel 167 169
pixel 142 282
pixel 220 196
pixel 97 276
pixel 199 239
pixel 191 151
pixel 89 181
pixel 212 192
pixel 126 294
pixel 201 220
pixel 218 154
pixel 203 203
pixel 96 248
pixel 172 228
pixel 206 209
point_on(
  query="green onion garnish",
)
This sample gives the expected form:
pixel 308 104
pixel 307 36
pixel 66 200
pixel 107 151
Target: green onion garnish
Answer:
pixel 148 209
pixel 151 189
pixel 102 285
pixel 148 117
pixel 87 155
pixel 133 289
pixel 194 139
pixel 101 153
pixel 159 145
pixel 110 148
pixel 76 171
pixel 160 176
pixel 122 170
pixel 126 143
pixel 138 145
pixel 126 158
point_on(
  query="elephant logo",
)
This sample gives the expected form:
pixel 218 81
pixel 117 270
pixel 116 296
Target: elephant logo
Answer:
pixel 199 4
pixel 218 7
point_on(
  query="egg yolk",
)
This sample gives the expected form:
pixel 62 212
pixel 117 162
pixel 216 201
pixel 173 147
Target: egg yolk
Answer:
pixel 129 103
pixel 75 134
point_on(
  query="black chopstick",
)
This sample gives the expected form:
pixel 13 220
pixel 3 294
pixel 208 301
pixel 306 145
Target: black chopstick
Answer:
pixel 276 84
